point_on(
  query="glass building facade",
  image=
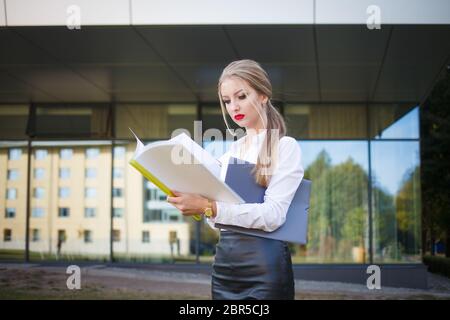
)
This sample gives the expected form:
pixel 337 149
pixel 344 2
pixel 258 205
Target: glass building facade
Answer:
pixel 85 201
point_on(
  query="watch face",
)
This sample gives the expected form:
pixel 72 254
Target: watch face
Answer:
pixel 208 212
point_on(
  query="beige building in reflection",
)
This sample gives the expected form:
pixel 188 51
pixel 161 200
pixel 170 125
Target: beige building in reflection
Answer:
pixel 70 203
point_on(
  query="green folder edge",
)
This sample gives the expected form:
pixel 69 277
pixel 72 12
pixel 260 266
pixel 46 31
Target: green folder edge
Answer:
pixel 156 182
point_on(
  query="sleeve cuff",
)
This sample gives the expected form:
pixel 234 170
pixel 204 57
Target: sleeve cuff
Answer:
pixel 220 212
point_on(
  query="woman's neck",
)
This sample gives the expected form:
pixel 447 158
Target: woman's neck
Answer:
pixel 251 132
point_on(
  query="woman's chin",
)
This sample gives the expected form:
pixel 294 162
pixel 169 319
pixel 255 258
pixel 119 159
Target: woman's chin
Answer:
pixel 244 122
pixel 240 123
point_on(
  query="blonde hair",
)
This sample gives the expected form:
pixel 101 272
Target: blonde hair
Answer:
pixel 256 77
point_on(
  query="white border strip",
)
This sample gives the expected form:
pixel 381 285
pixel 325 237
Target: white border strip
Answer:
pixel 222 12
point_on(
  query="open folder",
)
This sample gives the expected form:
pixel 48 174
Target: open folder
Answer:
pixel 242 181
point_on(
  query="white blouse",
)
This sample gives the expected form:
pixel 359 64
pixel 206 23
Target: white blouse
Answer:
pixel 286 178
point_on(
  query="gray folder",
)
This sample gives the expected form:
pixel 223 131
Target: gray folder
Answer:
pixel 242 181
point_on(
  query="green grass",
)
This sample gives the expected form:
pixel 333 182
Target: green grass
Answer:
pixel 19 256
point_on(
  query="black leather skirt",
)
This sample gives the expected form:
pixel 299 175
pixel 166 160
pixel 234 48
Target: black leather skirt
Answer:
pixel 250 267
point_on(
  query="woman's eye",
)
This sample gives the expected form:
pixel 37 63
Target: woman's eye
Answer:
pixel 226 102
pixel 242 97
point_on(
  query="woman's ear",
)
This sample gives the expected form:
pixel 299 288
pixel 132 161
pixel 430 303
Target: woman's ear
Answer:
pixel 264 99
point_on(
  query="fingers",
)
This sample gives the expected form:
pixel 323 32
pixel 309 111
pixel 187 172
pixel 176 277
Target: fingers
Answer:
pixel 184 202
pixel 173 200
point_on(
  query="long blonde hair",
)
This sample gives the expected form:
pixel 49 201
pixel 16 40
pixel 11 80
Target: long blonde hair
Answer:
pixel 256 77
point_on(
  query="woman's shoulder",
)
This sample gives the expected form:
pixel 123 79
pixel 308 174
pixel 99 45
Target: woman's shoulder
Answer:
pixel 288 139
pixel 288 142
pixel 290 152
pixel 289 147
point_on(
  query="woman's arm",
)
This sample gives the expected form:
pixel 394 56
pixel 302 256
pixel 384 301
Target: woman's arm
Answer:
pixel 267 216
pixel 270 214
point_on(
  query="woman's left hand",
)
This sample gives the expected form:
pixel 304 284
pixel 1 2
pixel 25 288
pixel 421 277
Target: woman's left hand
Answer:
pixel 188 203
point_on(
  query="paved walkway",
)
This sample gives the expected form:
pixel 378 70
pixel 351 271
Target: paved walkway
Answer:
pixel 102 281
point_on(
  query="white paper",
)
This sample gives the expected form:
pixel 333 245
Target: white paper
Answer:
pixel 184 166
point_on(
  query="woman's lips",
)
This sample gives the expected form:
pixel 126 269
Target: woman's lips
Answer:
pixel 239 117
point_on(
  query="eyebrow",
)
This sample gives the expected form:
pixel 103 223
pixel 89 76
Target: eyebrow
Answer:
pixel 223 97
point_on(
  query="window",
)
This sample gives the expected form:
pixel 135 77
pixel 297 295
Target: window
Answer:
pixel 173 236
pixel 63 212
pixel 10 212
pixel 340 221
pixel 155 195
pixel 119 152
pixel 13 174
pixel 117 212
pixel 87 236
pixel 118 173
pixel 39 193
pixel 161 196
pixel 90 212
pixel 14 154
pixel 35 235
pixel 90 193
pixel 66 153
pixel 11 194
pixel 40 154
pixel 145 236
pixel 13 121
pixel 173 215
pixel 62 237
pixel 64 192
pixel 397 202
pixel 212 118
pixel 394 121
pixel 325 121
pixel 37 212
pixel 150 194
pixel 152 215
pixel 91 173
pixel 154 121
pixel 71 120
pixel 116 235
pixel 64 173
pixel 7 235
pixel 92 153
pixel 39 173
pixel 117 192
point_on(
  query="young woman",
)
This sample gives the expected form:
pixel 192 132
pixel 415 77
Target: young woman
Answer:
pixel 250 267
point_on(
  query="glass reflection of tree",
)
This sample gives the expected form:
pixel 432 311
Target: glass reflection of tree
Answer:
pixel 338 217
pixel 338 210
pixel 385 240
pixel 408 213
pixel 397 220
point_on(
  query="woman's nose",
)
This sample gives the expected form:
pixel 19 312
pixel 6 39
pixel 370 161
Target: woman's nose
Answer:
pixel 234 105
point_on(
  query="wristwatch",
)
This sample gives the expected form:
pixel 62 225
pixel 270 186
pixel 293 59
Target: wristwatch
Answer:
pixel 208 210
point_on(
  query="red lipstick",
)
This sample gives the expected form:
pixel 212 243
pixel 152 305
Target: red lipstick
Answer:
pixel 239 117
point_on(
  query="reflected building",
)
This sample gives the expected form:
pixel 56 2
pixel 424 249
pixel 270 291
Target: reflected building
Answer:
pixel 71 209
pixel 363 160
